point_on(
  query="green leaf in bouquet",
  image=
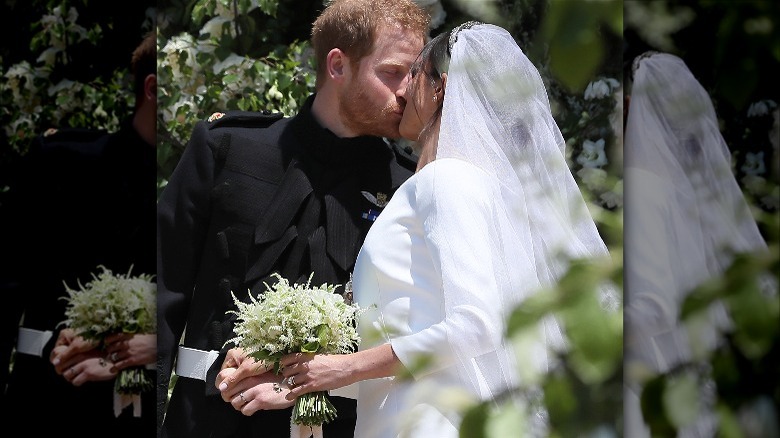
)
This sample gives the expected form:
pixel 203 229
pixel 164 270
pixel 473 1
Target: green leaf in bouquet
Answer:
pixel 310 347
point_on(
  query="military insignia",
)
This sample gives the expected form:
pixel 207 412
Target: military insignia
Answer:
pixel 380 200
pixel 50 131
pixel 216 116
pixel 371 215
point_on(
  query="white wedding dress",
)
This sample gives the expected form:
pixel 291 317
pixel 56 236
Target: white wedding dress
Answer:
pixel 433 234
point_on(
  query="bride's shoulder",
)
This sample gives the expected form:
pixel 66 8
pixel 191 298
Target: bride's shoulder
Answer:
pixel 453 175
pixel 454 168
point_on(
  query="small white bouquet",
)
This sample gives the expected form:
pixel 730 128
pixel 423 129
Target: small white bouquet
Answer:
pixel 298 318
pixel 111 304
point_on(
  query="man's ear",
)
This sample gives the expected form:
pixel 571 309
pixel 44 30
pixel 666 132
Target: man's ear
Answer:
pixel 150 87
pixel 337 65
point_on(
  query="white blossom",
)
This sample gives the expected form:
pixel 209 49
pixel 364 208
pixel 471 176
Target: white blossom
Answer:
pixel 285 317
pixel 601 88
pixel 592 154
pixel 218 26
pixel 112 303
pixel 754 164
pixel 613 198
pixel 49 56
pixel 761 108
pixel 64 84
pixel 174 49
pixel 593 178
pixel 232 60
pixel 772 200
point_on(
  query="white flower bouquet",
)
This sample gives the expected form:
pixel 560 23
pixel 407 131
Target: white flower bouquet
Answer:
pixel 298 318
pixel 111 304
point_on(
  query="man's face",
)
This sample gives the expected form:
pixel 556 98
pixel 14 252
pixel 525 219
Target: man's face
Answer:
pixel 371 103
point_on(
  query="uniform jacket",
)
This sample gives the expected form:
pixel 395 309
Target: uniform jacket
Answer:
pixel 256 194
pixel 84 198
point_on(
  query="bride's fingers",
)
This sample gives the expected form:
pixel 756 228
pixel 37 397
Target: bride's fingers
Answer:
pixel 293 358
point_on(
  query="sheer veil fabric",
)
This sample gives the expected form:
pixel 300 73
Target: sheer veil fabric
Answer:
pixel 685 217
pixel 685 213
pixel 496 115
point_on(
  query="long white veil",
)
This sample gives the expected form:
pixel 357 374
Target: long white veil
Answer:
pixel 685 217
pixel 685 213
pixel 496 115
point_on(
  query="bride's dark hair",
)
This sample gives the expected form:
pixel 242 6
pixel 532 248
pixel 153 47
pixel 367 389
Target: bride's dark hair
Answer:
pixel 433 60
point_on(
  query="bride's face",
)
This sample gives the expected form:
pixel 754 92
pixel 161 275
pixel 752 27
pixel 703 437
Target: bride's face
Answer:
pixel 420 103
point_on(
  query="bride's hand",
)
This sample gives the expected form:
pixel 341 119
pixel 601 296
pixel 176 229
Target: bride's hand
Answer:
pixel 315 372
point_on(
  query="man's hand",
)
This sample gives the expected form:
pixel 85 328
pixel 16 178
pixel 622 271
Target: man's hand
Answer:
pixel 238 366
pixel 90 370
pixel 129 350
pixel 71 349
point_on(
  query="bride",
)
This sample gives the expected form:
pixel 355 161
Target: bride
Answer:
pixel 491 216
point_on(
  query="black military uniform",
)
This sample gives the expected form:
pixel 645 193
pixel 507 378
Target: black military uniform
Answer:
pixel 256 194
pixel 84 198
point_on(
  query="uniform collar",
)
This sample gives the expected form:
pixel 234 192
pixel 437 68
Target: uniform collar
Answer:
pixel 323 145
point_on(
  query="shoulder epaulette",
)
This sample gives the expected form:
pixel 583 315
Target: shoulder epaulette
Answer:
pixel 69 142
pixel 246 119
pixel 72 135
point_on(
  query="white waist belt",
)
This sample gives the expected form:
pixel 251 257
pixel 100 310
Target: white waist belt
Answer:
pixel 349 391
pixel 31 341
pixel 194 363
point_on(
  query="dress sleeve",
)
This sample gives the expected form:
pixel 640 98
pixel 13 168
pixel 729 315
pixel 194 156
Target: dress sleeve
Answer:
pixel 182 224
pixel 651 302
pixel 457 203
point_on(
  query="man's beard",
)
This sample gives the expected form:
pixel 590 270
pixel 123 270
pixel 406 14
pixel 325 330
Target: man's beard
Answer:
pixel 362 117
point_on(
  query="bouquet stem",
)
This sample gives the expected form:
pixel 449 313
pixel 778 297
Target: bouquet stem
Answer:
pixel 313 409
pixel 133 381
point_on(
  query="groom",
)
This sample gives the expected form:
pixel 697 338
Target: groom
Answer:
pixel 256 194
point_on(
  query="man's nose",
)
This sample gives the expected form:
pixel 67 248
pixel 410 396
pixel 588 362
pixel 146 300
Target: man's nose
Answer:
pixel 401 91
